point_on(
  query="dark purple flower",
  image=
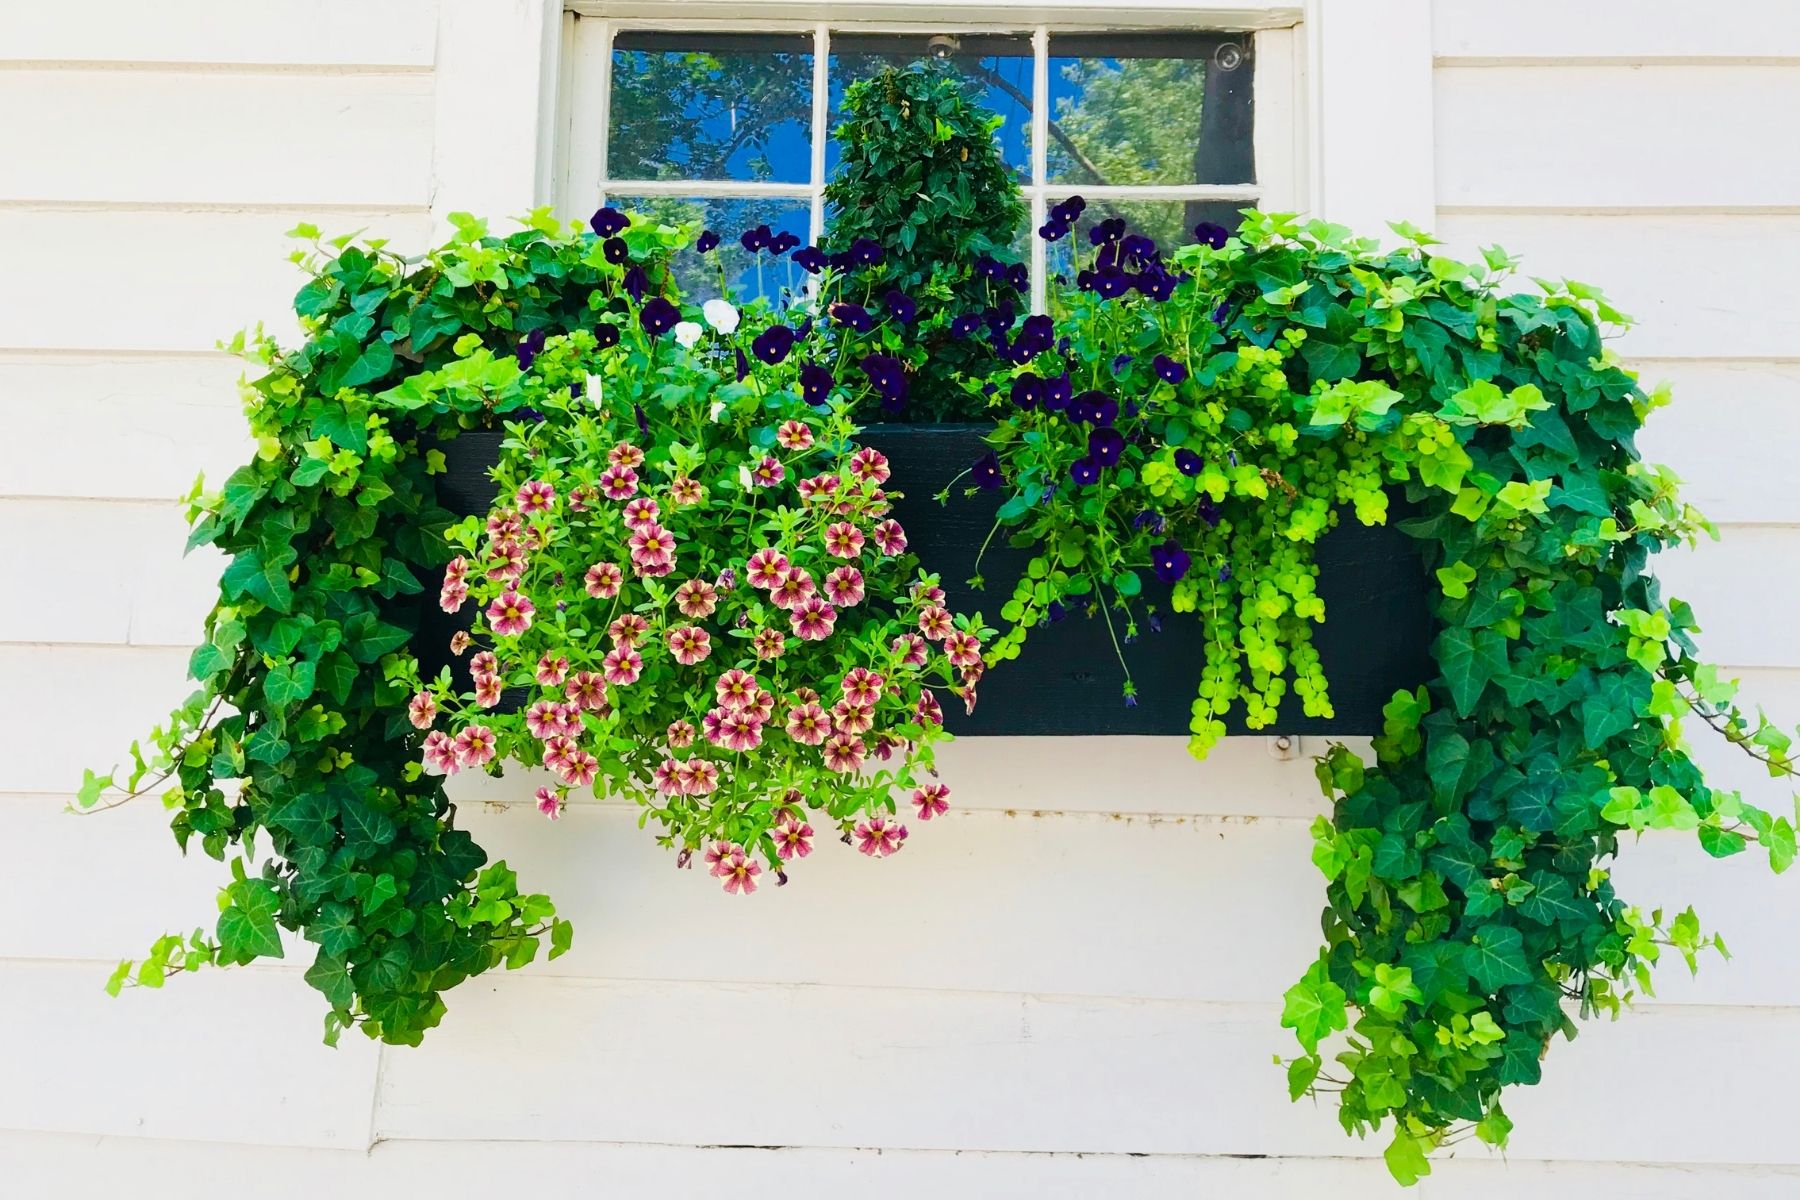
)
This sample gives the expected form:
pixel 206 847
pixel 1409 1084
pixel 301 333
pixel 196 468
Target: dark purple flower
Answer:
pixel 1058 392
pixel 964 324
pixel 1035 337
pixel 1139 249
pixel 756 239
pixel 1225 573
pixel 811 259
pixel 773 344
pixel 1084 472
pixel 529 414
pixel 1053 231
pixel 1105 446
pixel 1107 231
pixel 1169 561
pixel 887 375
pixel 658 316
pixel 1187 462
pixel 782 242
pixel 1054 611
pixel 1209 512
pixel 989 267
pixel 1028 391
pixel 1120 362
pixel 1068 211
pixel 1157 284
pixel 1231 457
pixel 743 364
pixel 575 386
pixel 636 282
pixel 1168 370
pixel 986 472
pixel 1130 697
pixel 866 253
pixel 1209 233
pixel 1149 518
pixel 1095 408
pixel 643 422
pixel 1222 313
pixel 815 383
pixel 609 222
pixel 901 306
pixel 529 348
pixel 852 316
pixel 1111 284
pixel 708 242
pixel 1017 277
pixel 606 335
pixel 616 250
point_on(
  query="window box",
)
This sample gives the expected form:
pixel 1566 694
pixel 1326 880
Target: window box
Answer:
pixel 1376 638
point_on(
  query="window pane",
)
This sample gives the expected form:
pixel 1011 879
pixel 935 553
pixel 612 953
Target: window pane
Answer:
pixel 1169 223
pixel 711 106
pixel 1150 109
pixel 996 67
pixel 748 276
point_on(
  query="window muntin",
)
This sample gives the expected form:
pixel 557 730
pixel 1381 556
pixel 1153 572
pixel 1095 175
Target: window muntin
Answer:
pixel 718 124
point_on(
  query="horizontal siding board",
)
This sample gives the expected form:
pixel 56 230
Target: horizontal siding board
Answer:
pixel 227 1056
pixel 1687 142
pixel 1730 435
pixel 151 262
pixel 394 33
pixel 1630 30
pixel 359 140
pixel 655 1062
pixel 148 425
pixel 64 1165
pixel 121 574
pixel 1699 286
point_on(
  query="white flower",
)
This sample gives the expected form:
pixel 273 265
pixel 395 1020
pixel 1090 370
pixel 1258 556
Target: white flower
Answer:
pixel 687 332
pixel 591 390
pixel 744 477
pixel 718 410
pixel 720 315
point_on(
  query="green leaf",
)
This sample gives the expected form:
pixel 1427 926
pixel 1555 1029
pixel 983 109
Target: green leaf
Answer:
pixel 246 927
pixel 1405 1159
pixel 1470 659
pixel 288 684
pixel 1496 957
pixel 1314 1007
pixel 366 829
pixel 331 976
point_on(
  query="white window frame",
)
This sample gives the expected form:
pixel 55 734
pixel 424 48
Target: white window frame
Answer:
pixel 585 183
pixel 1343 89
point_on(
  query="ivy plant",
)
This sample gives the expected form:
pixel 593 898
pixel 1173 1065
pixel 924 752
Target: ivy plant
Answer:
pixel 921 176
pixel 1204 416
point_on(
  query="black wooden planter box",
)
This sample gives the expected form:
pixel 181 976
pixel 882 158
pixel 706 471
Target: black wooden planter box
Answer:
pixel 1376 637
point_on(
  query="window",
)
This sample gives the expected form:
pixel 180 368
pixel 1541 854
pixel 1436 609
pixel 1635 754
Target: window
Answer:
pixel 732 126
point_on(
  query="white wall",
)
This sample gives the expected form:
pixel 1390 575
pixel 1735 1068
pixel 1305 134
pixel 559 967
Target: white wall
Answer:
pixel 1069 987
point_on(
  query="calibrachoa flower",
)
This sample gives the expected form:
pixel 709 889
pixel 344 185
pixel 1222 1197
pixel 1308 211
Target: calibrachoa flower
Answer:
pixel 932 800
pixel 722 464
pixel 510 614
pixel 603 580
pixel 843 540
pixel 812 619
pixel 793 838
pixel 689 645
pixel 879 837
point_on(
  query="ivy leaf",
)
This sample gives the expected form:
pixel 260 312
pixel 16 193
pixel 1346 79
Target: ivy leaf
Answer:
pixel 246 927
pixel 288 684
pixel 1721 843
pixel 1314 1007
pixel 1405 1159
pixel 1552 900
pixel 310 818
pixel 249 575
pixel 1496 957
pixel 335 929
pixel 1470 659
pixel 366 829
pixel 331 977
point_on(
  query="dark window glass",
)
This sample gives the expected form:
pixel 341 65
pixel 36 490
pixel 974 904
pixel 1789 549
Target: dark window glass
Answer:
pixel 1162 108
pixel 746 276
pixel 711 106
pixel 997 68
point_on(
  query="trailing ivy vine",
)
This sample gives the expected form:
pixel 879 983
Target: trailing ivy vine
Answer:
pixel 1202 420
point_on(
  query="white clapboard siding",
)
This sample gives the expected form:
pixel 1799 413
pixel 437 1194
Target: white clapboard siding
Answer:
pixel 80 1061
pixel 160 280
pixel 149 424
pixel 216 138
pixel 71 1166
pixel 1614 30
pixel 1730 435
pixel 81 706
pixel 1686 143
pixel 979 901
pixel 1664 270
pixel 793 1065
pixel 130 583
pixel 339 34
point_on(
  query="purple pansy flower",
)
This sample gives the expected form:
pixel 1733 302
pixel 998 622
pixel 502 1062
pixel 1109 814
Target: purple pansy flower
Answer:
pixel 1105 446
pixel 852 316
pixel 1085 471
pixel 1187 462
pixel 756 239
pixel 986 472
pixel 708 242
pixel 636 282
pixel 1058 393
pixel 1028 391
pixel 815 383
pixel 866 253
pixel 1210 233
pixel 615 250
pixel 964 324
pixel 773 344
pixel 782 242
pixel 658 316
pixel 609 222
pixel 1168 370
pixel 606 336
pixel 811 259
pixel 901 306
pixel 1169 561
